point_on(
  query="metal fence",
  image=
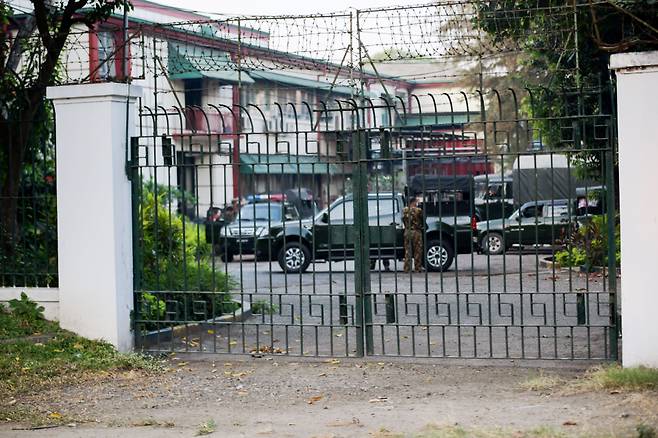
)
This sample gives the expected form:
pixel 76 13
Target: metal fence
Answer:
pixel 28 250
pixel 515 228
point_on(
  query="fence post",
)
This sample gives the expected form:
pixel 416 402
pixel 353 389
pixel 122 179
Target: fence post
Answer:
pixel 94 214
pixel 637 94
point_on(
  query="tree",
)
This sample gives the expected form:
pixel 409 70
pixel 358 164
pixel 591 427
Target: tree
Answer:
pixel 563 51
pixel 566 46
pixel 30 48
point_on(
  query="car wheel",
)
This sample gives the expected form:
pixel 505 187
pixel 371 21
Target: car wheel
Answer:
pixel 438 255
pixel 493 244
pixel 294 257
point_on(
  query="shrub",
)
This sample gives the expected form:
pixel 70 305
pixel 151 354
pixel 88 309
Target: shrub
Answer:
pixel 588 246
pixel 175 258
pixel 23 317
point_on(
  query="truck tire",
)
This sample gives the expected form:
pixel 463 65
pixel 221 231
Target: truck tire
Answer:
pixel 294 258
pixel 438 255
pixel 492 243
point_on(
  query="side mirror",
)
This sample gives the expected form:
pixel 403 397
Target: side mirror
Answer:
pixel 519 218
pixel 288 217
pixel 325 217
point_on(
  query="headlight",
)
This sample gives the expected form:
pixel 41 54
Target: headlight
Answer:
pixel 262 232
pixel 224 232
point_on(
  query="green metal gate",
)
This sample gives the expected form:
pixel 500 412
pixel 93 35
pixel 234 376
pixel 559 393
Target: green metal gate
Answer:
pixel 518 239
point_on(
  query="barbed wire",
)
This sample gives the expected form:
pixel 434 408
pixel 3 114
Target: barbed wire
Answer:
pixel 338 48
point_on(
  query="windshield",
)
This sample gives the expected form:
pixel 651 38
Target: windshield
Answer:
pixel 260 212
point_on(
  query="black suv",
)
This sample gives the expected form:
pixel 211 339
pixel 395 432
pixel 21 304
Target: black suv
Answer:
pixel 252 223
pixel 329 236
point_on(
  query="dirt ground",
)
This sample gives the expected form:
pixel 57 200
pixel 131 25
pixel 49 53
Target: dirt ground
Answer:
pixel 284 397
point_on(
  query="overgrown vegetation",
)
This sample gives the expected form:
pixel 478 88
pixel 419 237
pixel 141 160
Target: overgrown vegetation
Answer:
pixel 23 317
pixel 176 258
pixel 611 377
pixel 27 366
pixel 616 377
pixel 31 45
pixel 263 307
pixel 564 54
pixel 588 246
pixel 32 261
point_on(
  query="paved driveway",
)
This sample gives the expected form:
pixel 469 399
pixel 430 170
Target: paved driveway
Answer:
pixel 485 306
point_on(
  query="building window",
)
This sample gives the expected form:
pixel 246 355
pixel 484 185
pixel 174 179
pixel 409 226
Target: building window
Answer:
pixel 193 88
pixel 106 55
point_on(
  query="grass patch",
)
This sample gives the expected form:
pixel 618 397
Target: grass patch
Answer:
pixel 616 377
pixel 27 366
pixel 206 428
pixel 543 382
pixel 611 377
pixel 23 317
pixel 432 431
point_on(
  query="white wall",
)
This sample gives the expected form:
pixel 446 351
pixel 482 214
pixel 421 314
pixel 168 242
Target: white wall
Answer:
pixel 637 97
pixel 94 210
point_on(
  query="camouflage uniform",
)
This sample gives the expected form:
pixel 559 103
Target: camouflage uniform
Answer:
pixel 412 218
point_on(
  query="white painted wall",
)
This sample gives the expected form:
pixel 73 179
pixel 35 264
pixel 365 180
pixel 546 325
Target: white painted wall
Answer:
pixel 637 94
pixel 94 210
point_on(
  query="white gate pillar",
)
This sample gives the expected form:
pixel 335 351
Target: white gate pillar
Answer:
pixel 94 221
pixel 637 110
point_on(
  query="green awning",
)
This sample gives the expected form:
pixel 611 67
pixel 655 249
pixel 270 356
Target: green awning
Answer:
pixel 300 82
pixel 280 164
pixel 440 119
pixel 193 62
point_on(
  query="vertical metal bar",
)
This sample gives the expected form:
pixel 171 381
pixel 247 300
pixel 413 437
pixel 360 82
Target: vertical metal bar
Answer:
pixel 361 248
pixel 612 250
pixel 135 187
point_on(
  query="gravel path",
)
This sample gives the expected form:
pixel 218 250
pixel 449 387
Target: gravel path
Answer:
pixel 282 397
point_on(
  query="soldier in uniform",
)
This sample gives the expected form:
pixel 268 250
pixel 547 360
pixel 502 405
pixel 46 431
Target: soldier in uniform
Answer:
pixel 412 218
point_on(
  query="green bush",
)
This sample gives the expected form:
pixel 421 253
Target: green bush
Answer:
pixel 176 258
pixel 571 257
pixel 23 317
pixel 588 246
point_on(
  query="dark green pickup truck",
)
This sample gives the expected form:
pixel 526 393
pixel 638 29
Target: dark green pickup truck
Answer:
pixel 329 236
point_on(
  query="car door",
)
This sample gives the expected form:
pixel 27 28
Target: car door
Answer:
pixel 384 221
pixel 522 228
pixel 339 231
pixel 553 224
pixel 530 225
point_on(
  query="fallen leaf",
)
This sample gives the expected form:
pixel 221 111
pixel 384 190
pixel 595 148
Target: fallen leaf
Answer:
pixel 569 423
pixel 211 332
pixel 314 399
pixel 55 415
pixel 378 400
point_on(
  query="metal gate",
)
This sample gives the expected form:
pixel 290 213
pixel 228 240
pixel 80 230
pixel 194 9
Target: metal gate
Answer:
pixel 282 228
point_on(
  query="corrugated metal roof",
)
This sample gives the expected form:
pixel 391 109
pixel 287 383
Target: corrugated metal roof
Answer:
pixel 194 62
